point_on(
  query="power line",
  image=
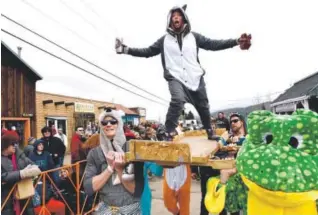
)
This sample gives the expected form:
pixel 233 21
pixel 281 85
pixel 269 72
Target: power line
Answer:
pixel 78 67
pixel 80 15
pixel 54 20
pixel 103 20
pixel 82 58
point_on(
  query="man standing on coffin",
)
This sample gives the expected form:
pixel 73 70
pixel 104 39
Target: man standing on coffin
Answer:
pixel 179 54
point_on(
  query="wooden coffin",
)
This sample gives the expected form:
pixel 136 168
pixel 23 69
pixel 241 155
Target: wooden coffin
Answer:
pixel 191 147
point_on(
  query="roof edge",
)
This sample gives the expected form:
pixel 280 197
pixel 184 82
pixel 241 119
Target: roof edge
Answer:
pixel 290 100
pixel 93 100
pixel 309 76
pixel 23 61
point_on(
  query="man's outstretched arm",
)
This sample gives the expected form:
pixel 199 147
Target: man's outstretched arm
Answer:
pixel 214 45
pixel 151 51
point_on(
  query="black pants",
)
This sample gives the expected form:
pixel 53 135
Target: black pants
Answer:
pixel 180 95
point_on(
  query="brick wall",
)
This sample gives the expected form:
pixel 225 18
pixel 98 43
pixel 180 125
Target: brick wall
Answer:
pixel 51 110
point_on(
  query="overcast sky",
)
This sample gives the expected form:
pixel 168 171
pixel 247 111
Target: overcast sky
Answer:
pixel 284 49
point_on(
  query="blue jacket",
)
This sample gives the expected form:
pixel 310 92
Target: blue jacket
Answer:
pixel 146 195
pixel 45 162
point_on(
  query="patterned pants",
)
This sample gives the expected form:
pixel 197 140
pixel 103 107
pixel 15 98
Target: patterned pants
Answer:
pixel 132 209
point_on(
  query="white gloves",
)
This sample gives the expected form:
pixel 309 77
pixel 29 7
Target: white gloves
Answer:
pixel 30 171
pixel 120 47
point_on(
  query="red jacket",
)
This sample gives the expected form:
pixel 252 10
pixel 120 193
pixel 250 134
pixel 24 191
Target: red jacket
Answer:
pixel 77 152
pixel 129 134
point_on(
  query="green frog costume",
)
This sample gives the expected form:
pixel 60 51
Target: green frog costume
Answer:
pixel 277 168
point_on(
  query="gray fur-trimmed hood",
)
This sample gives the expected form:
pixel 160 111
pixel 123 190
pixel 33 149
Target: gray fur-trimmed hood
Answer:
pixel 183 12
pixel 119 139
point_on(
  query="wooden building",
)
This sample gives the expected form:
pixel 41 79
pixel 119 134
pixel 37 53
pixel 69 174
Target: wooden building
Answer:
pixel 18 85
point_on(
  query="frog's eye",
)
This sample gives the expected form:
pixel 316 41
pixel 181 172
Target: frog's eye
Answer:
pixel 296 141
pixel 268 138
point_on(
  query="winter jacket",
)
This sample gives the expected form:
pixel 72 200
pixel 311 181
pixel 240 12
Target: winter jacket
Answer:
pixel 179 52
pixel 9 177
pixel 54 145
pixel 78 153
pixel 43 160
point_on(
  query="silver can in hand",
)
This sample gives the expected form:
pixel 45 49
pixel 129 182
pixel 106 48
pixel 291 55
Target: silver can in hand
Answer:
pixel 119 45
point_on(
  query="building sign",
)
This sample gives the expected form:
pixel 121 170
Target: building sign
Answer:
pixel 84 107
pixel 142 112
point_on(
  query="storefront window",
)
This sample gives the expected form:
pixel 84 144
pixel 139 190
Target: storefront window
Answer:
pixel 57 122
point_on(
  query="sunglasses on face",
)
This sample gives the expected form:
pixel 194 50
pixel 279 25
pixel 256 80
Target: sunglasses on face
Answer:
pixel 80 130
pixel 106 122
pixel 235 120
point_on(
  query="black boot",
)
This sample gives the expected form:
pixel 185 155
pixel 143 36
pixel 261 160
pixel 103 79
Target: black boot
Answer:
pixel 211 135
pixel 170 135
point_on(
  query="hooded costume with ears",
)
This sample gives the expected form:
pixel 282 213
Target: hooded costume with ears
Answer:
pixel 182 68
pixel 184 74
pixel 113 193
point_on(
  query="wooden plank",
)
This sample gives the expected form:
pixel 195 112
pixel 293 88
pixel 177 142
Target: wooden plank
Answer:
pixel 191 148
pixel 27 131
pixel 161 151
pixel 200 146
pixel 4 91
pixel 21 94
pixel 10 93
pixel 14 88
pixel 14 118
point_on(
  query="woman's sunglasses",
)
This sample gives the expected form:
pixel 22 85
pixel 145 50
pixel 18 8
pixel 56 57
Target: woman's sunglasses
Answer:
pixel 106 122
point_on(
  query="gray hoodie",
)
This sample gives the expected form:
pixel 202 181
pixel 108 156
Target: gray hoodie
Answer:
pixel 179 51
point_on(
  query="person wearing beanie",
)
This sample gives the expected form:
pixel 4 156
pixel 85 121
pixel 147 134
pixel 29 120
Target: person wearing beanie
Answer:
pixel 15 166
